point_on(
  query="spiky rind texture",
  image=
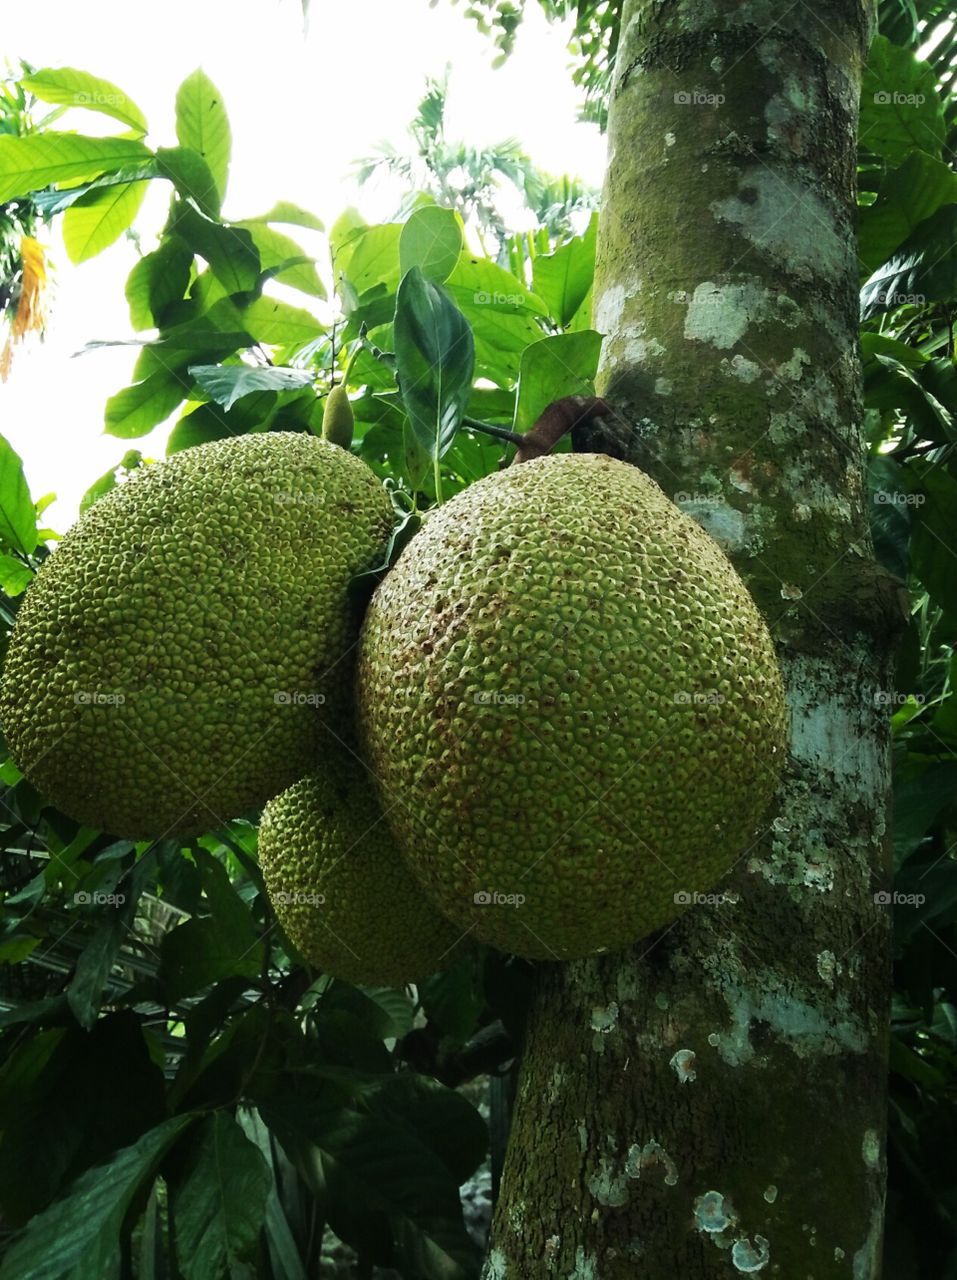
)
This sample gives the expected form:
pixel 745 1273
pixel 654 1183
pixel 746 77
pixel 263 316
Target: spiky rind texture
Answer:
pixel 572 705
pixel 177 657
pixel 340 888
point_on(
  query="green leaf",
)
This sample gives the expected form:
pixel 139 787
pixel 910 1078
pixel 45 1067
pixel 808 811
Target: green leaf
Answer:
pixel 924 268
pixel 284 211
pixel 191 176
pixel 34 161
pixel 435 358
pixel 230 251
pixel 137 409
pixel 219 1207
pixel 202 125
pixel 441 1119
pixel 901 110
pixel 99 218
pixel 278 324
pixel 205 949
pixel 58 200
pixel 379 1186
pixel 228 383
pixel 77 1237
pixel 431 240
pixel 371 258
pixel 68 87
pixel 15 576
pixel 209 422
pixel 158 279
pixel 279 251
pixel 562 278
pixel 18 517
pixel 908 195
pixel 934 540
pixel 562 365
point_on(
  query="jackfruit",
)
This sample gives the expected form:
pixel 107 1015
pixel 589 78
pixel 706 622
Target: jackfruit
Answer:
pixel 341 890
pixel 573 707
pixel 184 654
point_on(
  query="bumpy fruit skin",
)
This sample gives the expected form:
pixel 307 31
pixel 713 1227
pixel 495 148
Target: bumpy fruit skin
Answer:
pixel 179 657
pixel 340 888
pixel 572 705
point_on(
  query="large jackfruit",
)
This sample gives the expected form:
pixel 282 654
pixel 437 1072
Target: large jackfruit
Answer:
pixel 572 705
pixel 183 654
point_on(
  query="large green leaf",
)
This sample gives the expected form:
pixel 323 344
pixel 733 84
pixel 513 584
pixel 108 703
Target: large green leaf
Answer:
pixel 206 948
pixel 227 383
pixel 278 324
pixel 901 110
pixel 562 278
pixel 284 211
pixel 158 279
pixel 15 576
pixel 219 1207
pixel 202 125
pixel 934 541
pixel 564 364
pixel 230 252
pixel 191 176
pixel 371 258
pixel 68 87
pixel 431 240
pixel 78 1237
pixel 924 268
pixel 909 194
pixel 99 218
pixel 36 160
pixel 435 358
pixel 380 1187
pixel 276 250
pixel 137 409
pixel 68 1099
pixel 18 517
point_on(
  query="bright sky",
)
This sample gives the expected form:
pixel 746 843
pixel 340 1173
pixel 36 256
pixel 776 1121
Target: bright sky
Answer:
pixel 302 107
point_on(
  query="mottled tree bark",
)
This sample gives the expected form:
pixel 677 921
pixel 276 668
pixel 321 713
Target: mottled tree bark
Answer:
pixel 713 1102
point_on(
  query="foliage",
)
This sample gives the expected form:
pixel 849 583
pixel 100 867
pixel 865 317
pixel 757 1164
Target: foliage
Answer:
pixel 469 179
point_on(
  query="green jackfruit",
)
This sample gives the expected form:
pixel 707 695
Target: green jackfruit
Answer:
pixel 184 653
pixel 572 705
pixel 338 418
pixel 340 888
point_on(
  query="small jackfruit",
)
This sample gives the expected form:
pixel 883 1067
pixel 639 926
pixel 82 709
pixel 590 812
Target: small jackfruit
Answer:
pixel 338 418
pixel 572 705
pixel 186 651
pixel 340 888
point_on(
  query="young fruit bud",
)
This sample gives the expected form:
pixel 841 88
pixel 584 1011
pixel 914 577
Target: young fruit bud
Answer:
pixel 338 418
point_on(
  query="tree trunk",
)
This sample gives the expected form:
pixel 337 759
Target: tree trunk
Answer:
pixel 712 1103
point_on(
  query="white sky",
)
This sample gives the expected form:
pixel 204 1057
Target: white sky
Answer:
pixel 302 109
